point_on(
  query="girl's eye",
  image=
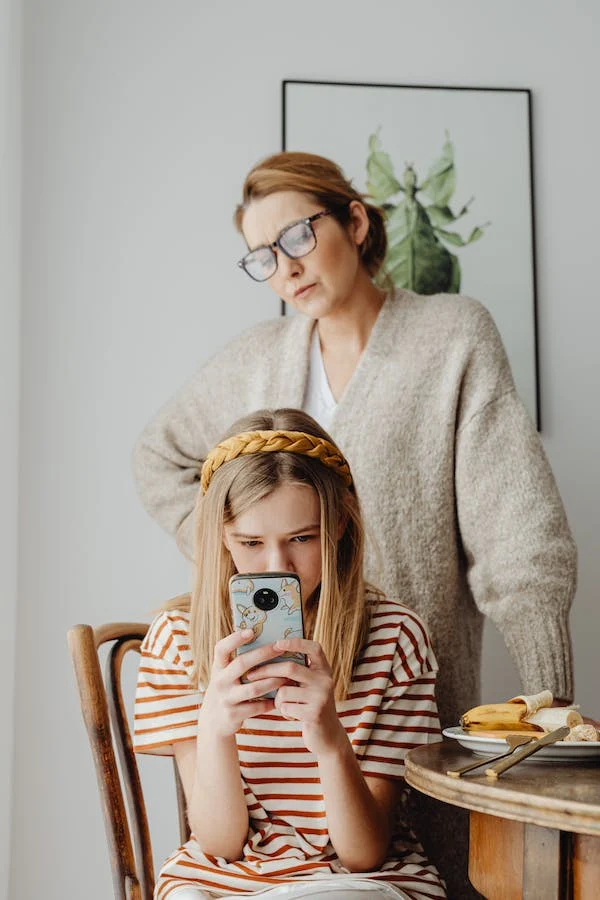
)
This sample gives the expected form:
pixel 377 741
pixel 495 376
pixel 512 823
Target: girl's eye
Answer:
pixel 303 538
pixel 250 543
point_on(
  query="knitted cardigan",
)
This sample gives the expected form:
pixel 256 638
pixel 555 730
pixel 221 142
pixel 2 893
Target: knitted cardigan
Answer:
pixel 463 515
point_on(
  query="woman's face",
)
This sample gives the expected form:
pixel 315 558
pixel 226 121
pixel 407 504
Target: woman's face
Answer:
pixel 322 282
pixel 281 533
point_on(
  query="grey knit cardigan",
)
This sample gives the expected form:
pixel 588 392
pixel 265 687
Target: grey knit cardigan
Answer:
pixel 463 515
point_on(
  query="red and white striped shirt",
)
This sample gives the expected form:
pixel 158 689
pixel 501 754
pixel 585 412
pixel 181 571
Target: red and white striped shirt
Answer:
pixel 390 708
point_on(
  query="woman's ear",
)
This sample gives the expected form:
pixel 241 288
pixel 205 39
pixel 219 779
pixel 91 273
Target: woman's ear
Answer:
pixel 359 222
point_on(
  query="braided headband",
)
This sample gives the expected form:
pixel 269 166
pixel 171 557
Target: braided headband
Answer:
pixel 274 442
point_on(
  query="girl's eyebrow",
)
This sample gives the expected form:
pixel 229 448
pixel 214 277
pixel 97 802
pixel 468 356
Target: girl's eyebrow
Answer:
pixel 314 527
pixel 256 537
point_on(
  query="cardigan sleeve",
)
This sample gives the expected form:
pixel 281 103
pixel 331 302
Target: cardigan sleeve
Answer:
pixel 521 557
pixel 168 455
pixel 167 461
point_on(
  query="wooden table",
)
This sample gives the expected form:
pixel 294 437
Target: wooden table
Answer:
pixel 534 832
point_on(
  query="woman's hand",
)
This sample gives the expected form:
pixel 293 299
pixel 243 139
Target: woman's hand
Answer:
pixel 227 700
pixel 310 698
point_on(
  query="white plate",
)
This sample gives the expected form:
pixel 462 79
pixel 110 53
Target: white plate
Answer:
pixel 561 751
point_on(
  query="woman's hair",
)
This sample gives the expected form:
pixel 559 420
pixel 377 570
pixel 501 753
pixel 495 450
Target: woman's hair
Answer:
pixel 307 173
pixel 341 620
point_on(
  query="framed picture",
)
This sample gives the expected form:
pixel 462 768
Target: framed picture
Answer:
pixel 452 167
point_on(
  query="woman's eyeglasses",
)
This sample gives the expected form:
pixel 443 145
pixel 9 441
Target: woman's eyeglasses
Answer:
pixel 296 240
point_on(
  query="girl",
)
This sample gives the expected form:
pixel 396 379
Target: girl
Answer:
pixel 296 795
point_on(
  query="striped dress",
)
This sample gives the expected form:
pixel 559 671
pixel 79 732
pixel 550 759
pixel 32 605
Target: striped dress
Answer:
pixel 389 709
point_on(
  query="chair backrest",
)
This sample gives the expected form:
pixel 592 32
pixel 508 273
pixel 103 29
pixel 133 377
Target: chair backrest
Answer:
pixel 105 716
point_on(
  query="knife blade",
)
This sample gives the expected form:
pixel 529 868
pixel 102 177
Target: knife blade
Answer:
pixel 514 741
pixel 557 735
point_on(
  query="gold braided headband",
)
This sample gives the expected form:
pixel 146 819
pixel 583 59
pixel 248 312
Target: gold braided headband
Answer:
pixel 272 442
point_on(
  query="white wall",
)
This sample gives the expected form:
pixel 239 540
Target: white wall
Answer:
pixel 140 120
pixel 10 90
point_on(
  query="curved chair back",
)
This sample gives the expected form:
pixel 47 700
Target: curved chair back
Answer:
pixel 105 716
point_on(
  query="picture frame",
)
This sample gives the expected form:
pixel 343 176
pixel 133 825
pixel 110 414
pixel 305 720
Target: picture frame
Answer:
pixel 465 156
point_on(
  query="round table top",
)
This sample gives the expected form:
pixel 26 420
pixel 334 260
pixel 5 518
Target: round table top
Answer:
pixel 554 795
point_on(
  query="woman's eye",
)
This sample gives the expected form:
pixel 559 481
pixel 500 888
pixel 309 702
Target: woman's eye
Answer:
pixel 303 538
pixel 250 543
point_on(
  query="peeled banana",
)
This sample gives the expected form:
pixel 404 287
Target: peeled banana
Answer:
pixel 549 719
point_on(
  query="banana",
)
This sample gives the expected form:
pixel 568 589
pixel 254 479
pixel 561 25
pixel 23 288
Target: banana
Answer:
pixel 498 717
pixel 532 712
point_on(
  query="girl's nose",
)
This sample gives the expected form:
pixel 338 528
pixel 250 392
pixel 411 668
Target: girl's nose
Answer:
pixel 278 559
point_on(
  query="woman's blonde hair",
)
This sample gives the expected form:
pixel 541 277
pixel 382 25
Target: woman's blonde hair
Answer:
pixel 341 618
pixel 308 173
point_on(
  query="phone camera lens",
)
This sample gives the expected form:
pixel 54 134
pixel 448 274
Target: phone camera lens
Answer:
pixel 266 599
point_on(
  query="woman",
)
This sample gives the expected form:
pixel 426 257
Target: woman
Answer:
pixel 459 501
pixel 293 796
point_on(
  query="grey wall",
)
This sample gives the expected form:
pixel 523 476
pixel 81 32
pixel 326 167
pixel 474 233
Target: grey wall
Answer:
pixel 140 120
pixel 10 87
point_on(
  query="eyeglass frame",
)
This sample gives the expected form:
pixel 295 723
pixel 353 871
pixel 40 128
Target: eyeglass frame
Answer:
pixel 308 220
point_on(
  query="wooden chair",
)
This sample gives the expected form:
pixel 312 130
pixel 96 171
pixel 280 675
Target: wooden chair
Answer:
pixel 105 717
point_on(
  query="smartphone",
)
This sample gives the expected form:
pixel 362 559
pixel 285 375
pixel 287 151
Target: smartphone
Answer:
pixel 270 604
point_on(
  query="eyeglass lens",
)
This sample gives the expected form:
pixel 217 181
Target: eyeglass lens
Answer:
pixel 296 240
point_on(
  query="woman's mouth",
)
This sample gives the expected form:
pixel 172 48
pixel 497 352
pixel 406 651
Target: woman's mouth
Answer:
pixel 302 292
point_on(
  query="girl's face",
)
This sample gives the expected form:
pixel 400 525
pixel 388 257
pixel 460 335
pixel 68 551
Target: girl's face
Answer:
pixel 320 283
pixel 280 533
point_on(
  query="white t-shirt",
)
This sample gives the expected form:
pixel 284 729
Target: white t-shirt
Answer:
pixel 318 401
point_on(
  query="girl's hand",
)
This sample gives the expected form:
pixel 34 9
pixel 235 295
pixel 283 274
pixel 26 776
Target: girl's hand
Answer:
pixel 310 699
pixel 227 701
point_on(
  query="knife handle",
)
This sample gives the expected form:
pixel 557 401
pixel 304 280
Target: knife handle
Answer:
pixel 557 735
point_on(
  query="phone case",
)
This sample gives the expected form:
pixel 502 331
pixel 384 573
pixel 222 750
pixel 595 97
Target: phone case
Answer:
pixel 270 604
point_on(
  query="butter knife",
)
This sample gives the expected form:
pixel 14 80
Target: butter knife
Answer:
pixel 513 741
pixel 557 735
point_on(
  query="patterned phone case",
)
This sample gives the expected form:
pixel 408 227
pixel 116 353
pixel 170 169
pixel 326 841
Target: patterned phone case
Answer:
pixel 270 604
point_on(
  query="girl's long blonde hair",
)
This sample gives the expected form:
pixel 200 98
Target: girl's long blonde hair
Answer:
pixel 341 621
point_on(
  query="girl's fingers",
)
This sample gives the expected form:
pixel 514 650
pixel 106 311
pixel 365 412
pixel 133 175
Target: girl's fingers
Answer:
pixel 311 649
pixel 289 669
pixel 290 694
pixel 226 647
pixel 225 653
pixel 242 664
pixel 299 645
pixel 244 693
pixel 256 708
pixel 290 711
